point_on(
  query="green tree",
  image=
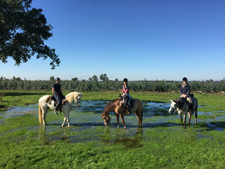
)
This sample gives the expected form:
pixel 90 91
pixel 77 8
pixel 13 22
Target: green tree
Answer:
pixel 74 79
pixel 23 30
pixel 103 77
pixel 95 78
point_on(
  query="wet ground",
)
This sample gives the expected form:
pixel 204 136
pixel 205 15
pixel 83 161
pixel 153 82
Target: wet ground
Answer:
pixel 87 124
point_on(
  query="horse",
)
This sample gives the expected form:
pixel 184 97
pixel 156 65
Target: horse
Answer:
pixel 45 103
pixel 182 107
pixel 114 106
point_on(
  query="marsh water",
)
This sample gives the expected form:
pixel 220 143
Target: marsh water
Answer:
pixel 87 123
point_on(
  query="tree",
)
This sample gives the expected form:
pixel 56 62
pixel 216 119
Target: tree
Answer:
pixel 52 79
pixel 95 78
pixel 74 79
pixel 22 33
pixel 104 77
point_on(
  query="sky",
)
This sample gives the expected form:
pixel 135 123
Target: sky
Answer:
pixel 136 39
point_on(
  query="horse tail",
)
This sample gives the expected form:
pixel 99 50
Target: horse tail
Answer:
pixel 40 114
pixel 141 112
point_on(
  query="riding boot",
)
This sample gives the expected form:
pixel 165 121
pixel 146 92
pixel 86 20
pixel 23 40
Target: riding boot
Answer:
pixel 128 109
pixel 57 106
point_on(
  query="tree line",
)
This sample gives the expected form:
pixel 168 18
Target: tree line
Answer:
pixel 104 84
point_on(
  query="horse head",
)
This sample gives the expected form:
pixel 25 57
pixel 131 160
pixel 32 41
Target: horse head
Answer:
pixel 106 118
pixel 173 106
pixel 78 99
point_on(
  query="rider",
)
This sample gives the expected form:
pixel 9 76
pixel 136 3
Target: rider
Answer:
pixel 185 92
pixel 125 94
pixel 56 89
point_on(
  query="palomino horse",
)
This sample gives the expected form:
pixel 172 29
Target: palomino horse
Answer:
pixel 43 106
pixel 182 107
pixel 114 106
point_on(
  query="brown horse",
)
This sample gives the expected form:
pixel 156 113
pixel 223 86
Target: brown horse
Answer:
pixel 114 106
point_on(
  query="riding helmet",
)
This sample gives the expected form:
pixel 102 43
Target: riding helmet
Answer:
pixel 185 79
pixel 125 80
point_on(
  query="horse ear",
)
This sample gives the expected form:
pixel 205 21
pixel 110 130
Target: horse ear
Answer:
pixel 173 101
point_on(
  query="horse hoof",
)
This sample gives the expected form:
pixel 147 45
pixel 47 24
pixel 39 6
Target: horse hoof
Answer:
pixel 125 127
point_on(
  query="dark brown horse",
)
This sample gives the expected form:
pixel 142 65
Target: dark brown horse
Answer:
pixel 119 110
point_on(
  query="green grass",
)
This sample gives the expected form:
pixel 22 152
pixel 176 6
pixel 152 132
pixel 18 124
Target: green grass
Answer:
pixel 25 144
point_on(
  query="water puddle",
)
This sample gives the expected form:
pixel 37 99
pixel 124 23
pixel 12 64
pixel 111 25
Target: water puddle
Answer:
pixel 87 123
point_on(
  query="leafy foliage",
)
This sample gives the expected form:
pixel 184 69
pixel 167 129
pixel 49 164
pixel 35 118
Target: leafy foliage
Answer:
pixel 22 33
pixel 93 84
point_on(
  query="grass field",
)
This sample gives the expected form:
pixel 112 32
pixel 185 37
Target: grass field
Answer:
pixel 89 144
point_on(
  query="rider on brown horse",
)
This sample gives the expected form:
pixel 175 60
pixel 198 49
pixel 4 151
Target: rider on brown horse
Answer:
pixel 125 95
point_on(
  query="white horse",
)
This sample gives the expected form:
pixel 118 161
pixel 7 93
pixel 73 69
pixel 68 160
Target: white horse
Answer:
pixel 182 107
pixel 43 106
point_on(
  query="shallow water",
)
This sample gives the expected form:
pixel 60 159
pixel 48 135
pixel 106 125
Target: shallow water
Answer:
pixel 87 123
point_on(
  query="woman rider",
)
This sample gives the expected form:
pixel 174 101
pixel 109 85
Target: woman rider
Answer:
pixel 125 94
pixel 56 89
pixel 185 92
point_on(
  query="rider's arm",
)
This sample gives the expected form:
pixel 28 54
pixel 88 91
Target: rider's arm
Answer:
pixel 53 90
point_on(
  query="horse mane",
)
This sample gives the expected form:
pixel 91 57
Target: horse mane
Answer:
pixel 110 106
pixel 180 102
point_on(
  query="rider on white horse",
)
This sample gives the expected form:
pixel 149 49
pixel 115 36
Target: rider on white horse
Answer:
pixel 56 89
pixel 185 93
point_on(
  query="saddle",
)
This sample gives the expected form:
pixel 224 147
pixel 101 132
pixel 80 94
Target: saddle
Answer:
pixel 129 103
pixel 52 98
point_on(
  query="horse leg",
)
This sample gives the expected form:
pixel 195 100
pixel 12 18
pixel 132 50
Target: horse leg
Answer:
pixel 118 120
pixel 181 120
pixel 138 117
pixel 196 116
pixel 189 116
pixel 68 119
pixel 185 120
pixel 64 120
pixel 122 118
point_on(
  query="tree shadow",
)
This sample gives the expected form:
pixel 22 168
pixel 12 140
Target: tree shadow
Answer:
pixel 23 94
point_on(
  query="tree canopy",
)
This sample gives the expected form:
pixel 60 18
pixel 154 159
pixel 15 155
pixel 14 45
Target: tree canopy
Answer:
pixel 23 30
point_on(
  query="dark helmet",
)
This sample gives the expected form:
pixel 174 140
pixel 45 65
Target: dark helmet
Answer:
pixel 57 79
pixel 125 80
pixel 185 79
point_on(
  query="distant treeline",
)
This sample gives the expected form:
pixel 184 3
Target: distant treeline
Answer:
pixel 104 84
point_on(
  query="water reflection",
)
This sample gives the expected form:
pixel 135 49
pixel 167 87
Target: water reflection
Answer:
pixel 124 137
pixel 130 138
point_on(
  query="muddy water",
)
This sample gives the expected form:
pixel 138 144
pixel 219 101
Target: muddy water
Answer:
pixel 87 124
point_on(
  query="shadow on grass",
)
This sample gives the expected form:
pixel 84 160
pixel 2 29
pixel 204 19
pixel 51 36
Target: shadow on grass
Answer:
pixel 217 126
pixel 22 94
pixel 144 125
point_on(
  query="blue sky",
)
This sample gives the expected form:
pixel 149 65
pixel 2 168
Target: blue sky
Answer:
pixel 137 39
